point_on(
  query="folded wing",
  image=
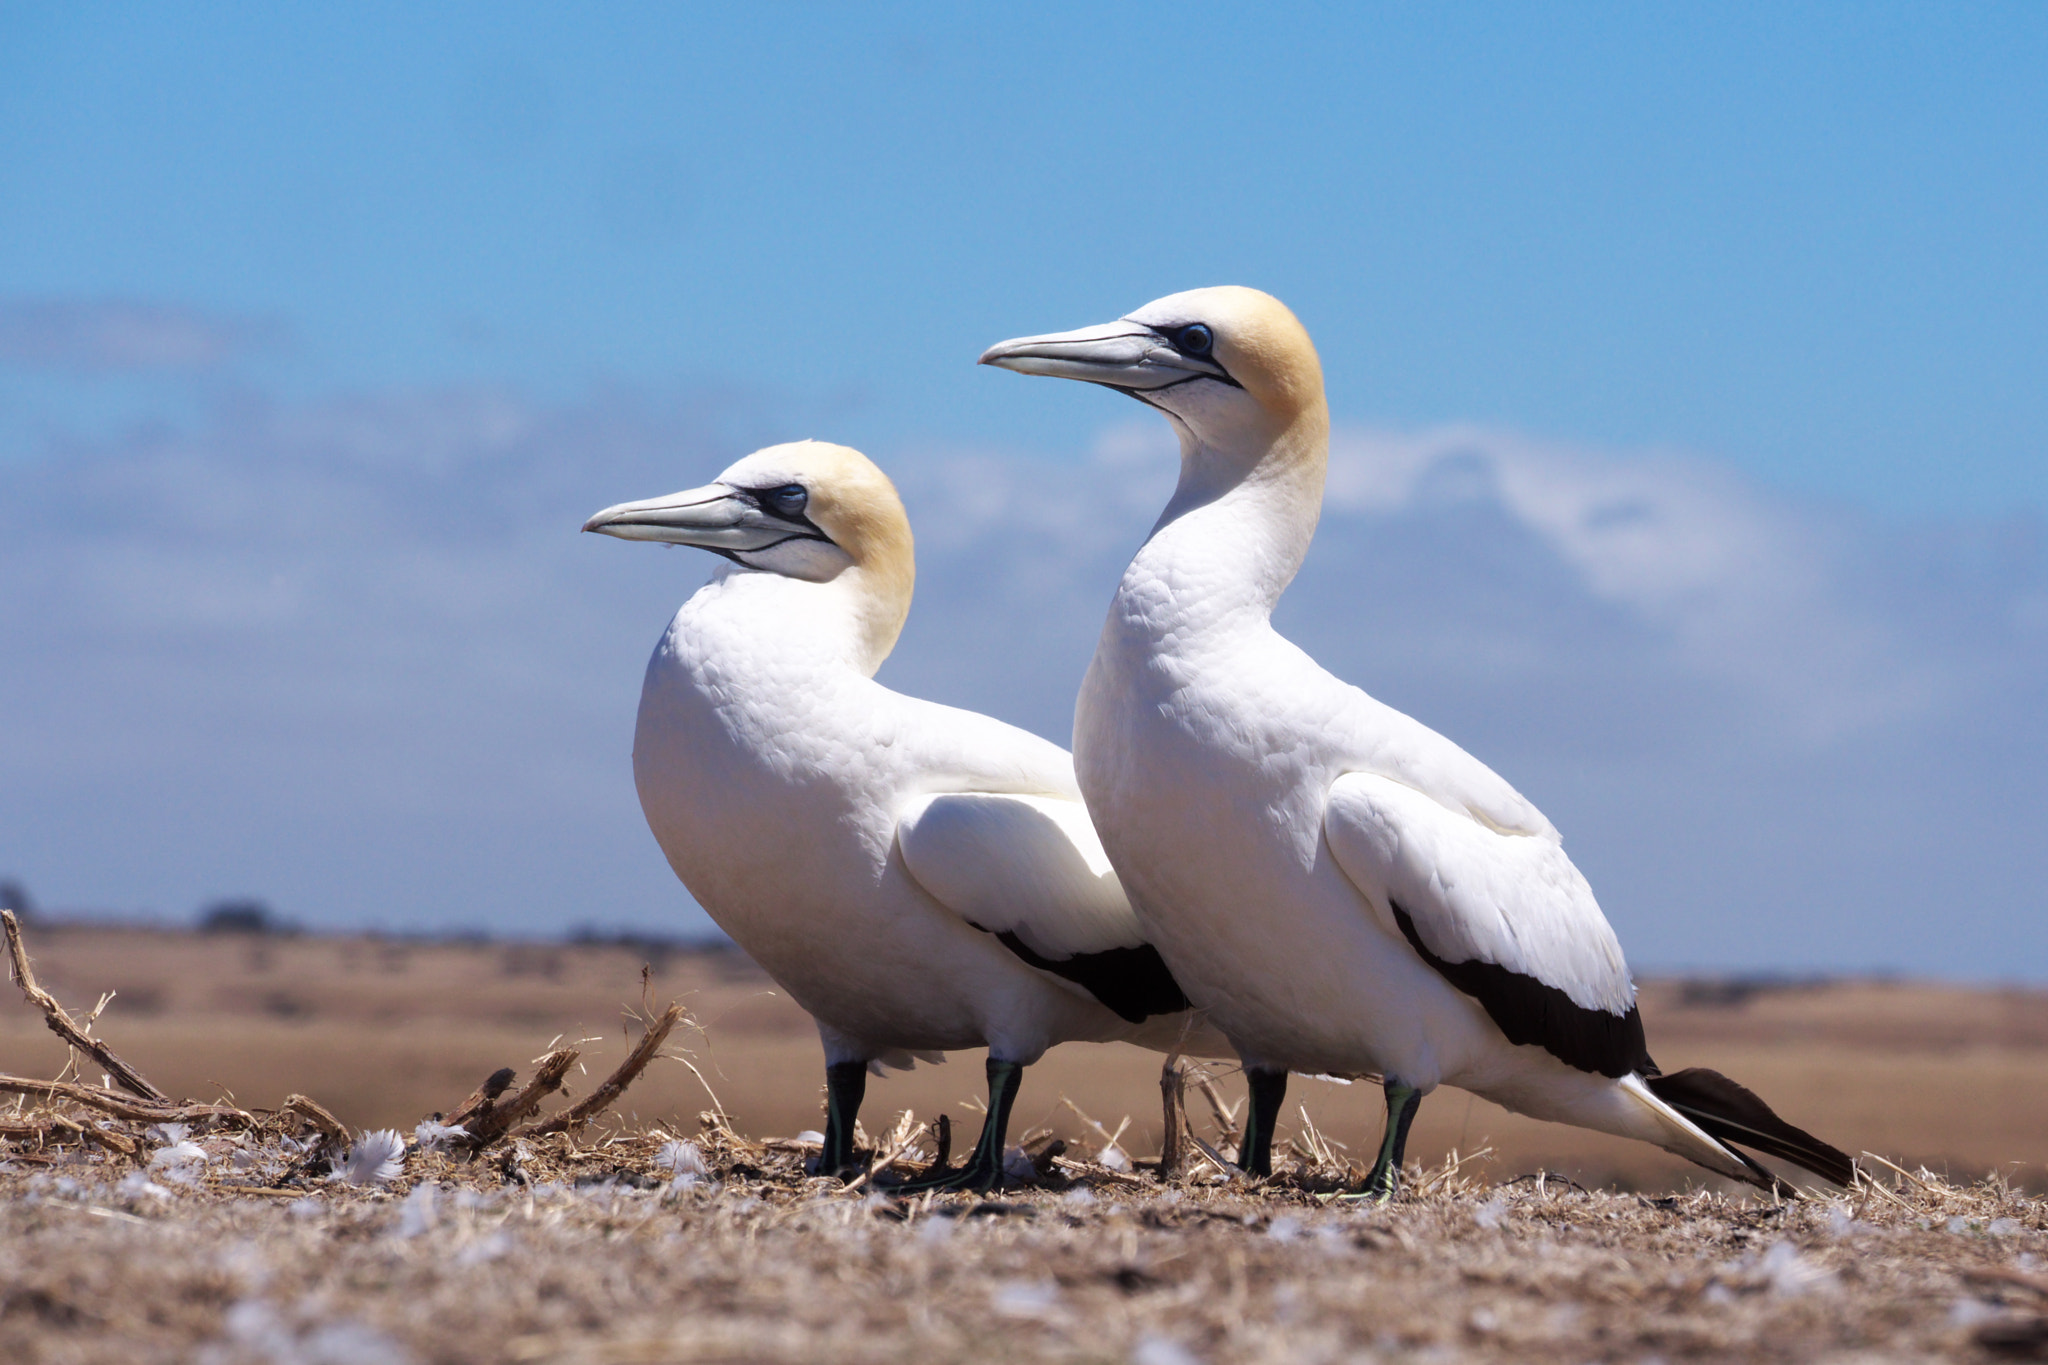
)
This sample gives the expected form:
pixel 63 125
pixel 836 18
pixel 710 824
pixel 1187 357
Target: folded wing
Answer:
pixel 1030 870
pixel 1505 918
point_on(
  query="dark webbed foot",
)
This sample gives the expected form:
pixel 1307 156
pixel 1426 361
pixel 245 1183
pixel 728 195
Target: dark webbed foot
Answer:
pixel 1384 1179
pixel 1262 1115
pixel 846 1085
pixel 984 1168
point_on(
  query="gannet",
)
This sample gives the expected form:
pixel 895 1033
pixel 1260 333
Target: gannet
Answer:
pixel 1342 889
pixel 919 878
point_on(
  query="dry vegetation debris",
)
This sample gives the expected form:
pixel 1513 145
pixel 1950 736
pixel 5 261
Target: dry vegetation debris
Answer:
pixel 226 1235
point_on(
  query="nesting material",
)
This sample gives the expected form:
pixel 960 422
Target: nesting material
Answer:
pixel 217 1233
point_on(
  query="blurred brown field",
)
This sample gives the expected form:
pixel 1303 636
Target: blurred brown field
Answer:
pixel 385 1032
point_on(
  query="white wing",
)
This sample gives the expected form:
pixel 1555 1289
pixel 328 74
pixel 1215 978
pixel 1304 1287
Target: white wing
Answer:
pixel 1397 745
pixel 1024 865
pixel 1476 896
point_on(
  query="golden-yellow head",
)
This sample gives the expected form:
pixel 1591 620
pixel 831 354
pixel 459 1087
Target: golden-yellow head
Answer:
pixel 807 510
pixel 1231 365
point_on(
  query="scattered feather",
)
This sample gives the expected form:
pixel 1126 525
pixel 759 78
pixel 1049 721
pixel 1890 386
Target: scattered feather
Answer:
pixel 682 1157
pixel 183 1162
pixel 136 1185
pixel 376 1158
pixel 436 1137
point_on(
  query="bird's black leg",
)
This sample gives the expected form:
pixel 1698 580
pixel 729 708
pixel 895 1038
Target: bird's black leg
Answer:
pixel 984 1168
pixel 1385 1177
pixel 1262 1115
pixel 846 1084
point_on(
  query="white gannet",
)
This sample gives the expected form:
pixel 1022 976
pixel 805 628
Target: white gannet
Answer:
pixel 919 878
pixel 1342 889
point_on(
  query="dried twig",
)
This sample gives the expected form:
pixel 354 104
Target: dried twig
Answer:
pixel 615 1085
pixel 316 1114
pixel 1453 1166
pixel 1221 1162
pixel 908 1131
pixel 1226 1115
pixel 121 1106
pixel 1314 1145
pixel 1109 1139
pixel 1173 1093
pixel 489 1124
pixel 1870 1182
pixel 1088 1170
pixel 495 1084
pixel 264 1191
pixel 717 1108
pixel 64 1026
pixel 1900 1169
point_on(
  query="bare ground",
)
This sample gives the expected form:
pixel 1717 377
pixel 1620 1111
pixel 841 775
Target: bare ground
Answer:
pixel 600 1258
pixel 384 1032
pixel 236 1241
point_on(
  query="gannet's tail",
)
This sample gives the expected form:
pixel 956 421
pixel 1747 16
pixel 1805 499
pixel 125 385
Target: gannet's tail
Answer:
pixel 1734 1116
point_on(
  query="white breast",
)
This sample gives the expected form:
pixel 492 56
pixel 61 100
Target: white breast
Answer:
pixel 774 777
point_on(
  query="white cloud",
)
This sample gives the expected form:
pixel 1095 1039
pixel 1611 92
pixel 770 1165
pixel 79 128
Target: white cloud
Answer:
pixel 1745 588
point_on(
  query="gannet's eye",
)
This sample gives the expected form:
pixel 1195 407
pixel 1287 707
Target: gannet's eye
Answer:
pixel 1194 339
pixel 786 501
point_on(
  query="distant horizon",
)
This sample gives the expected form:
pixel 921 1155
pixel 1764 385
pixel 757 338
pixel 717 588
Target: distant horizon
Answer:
pixel 711 939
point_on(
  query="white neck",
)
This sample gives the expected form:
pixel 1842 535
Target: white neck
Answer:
pixel 1236 530
pixel 826 626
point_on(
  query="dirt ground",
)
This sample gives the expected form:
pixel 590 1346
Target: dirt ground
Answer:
pixel 661 1233
pixel 385 1032
pixel 605 1254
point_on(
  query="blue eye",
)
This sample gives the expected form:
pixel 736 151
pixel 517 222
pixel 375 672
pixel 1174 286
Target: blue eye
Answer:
pixel 788 500
pixel 1194 339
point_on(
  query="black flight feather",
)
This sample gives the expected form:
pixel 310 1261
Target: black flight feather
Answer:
pixel 1733 1113
pixel 1531 1011
pixel 1131 982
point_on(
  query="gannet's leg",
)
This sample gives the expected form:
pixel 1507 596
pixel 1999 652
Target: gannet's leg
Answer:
pixel 1385 1177
pixel 1262 1114
pixel 984 1168
pixel 846 1084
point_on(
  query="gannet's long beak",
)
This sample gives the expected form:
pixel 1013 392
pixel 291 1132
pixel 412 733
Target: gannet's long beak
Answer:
pixel 714 517
pixel 1123 355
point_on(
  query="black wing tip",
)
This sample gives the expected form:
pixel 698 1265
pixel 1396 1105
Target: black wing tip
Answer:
pixel 1732 1113
pixel 1528 1010
pixel 1132 983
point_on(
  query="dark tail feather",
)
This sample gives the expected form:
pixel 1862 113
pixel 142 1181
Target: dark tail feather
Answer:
pixel 1733 1114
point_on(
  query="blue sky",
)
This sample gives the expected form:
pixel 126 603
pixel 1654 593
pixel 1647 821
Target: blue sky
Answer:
pixel 1688 364
pixel 1801 238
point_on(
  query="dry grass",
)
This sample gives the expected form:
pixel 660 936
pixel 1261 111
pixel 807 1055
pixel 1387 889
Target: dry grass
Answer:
pixel 234 1241
pixel 599 1256
pixel 383 1033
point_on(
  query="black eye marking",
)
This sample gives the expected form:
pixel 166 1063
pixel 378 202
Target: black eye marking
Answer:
pixel 1194 339
pixel 787 501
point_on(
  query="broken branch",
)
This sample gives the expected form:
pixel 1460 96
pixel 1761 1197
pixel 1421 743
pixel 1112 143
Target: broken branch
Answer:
pixel 62 1024
pixel 121 1106
pixel 614 1085
pixel 493 1121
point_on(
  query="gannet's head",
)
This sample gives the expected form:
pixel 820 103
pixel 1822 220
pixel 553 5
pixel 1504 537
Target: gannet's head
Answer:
pixel 806 510
pixel 1231 365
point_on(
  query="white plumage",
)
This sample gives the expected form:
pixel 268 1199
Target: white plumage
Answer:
pixel 1474 893
pixel 870 850
pixel 1343 889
